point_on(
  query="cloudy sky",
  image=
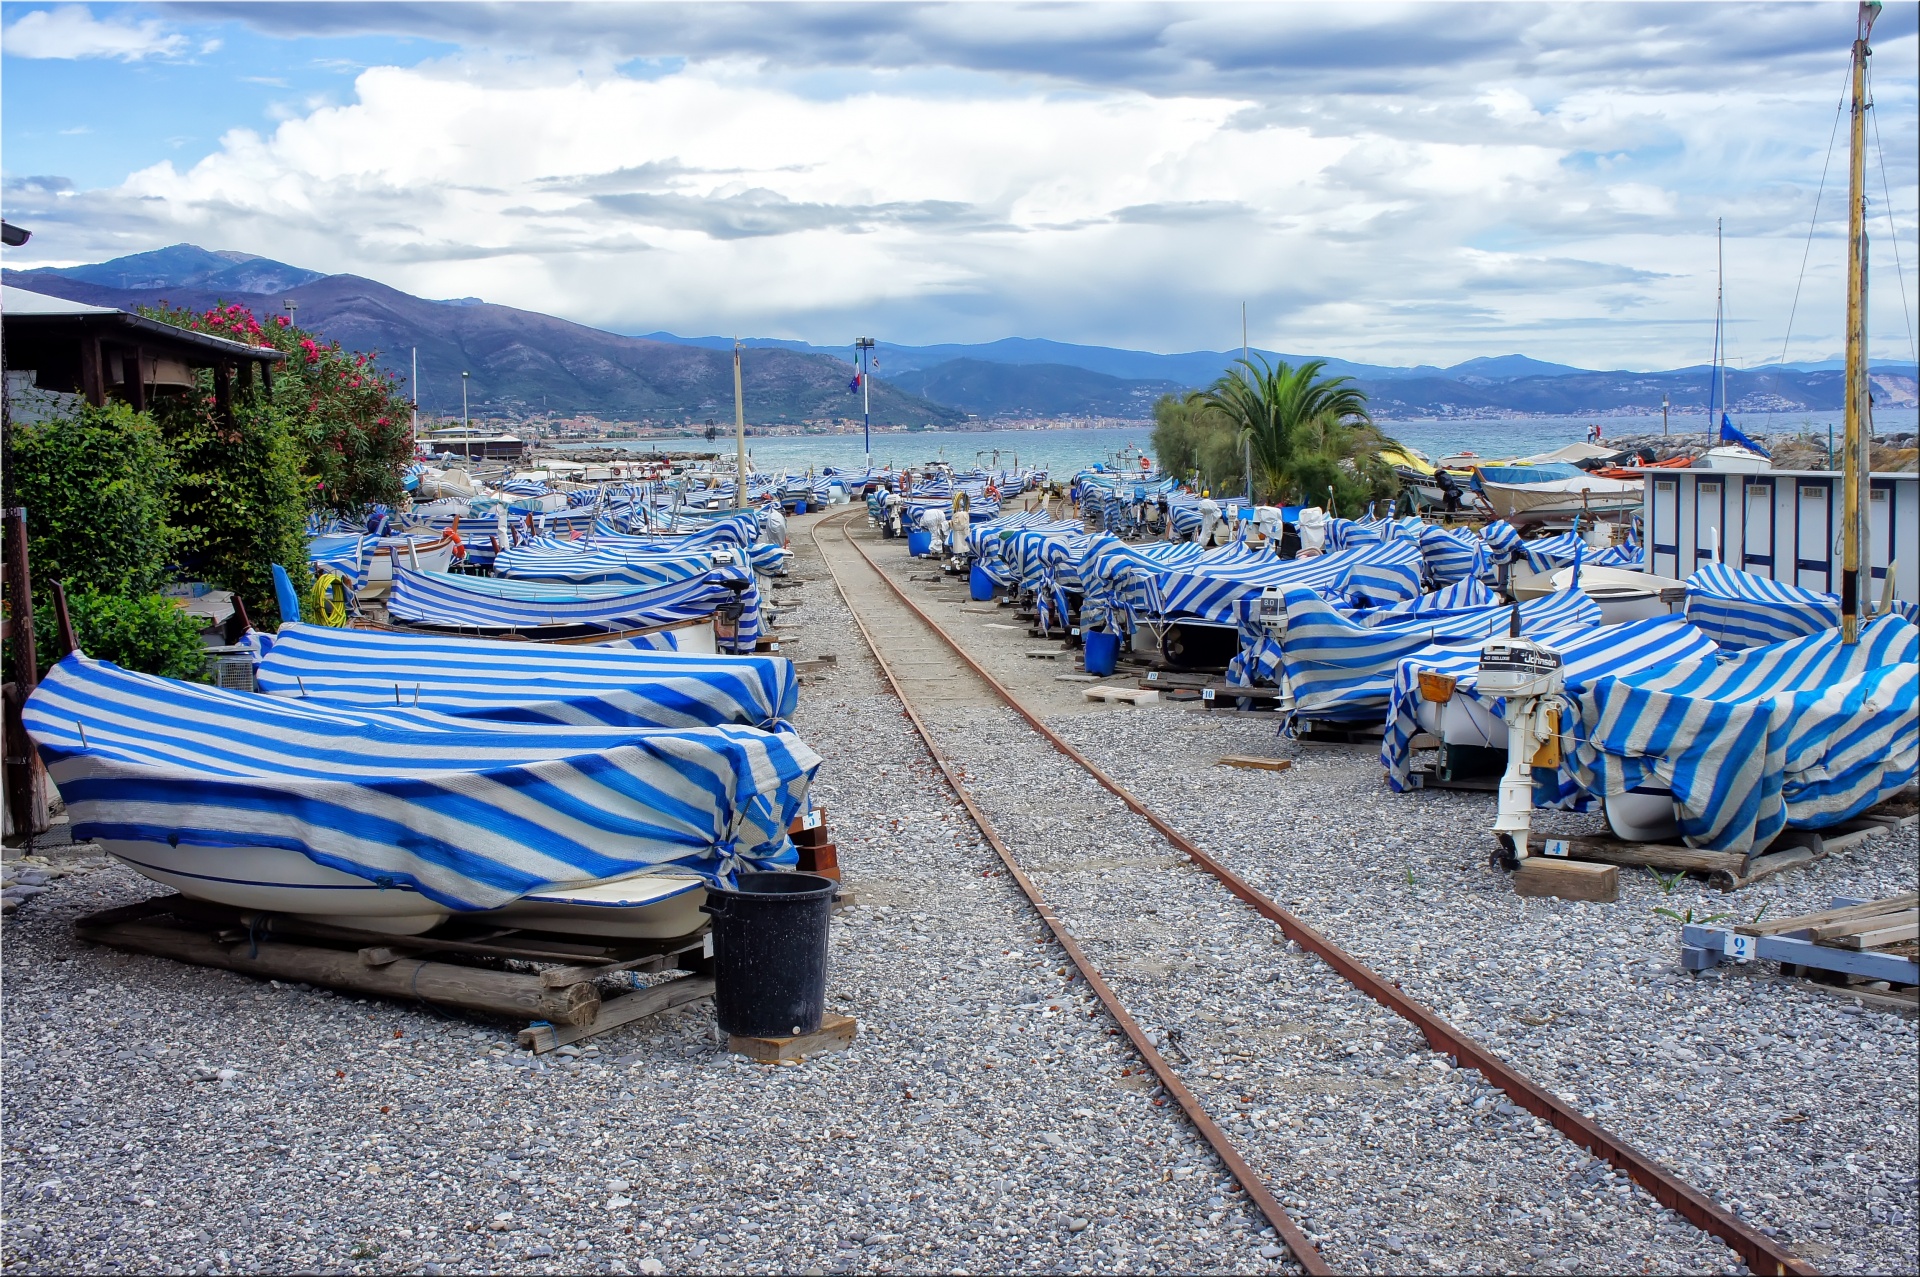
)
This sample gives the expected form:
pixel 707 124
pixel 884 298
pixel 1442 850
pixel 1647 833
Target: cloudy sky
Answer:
pixel 1394 183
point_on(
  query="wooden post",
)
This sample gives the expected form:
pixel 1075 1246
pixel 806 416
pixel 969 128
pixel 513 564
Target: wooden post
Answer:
pixel 223 393
pixel 26 779
pixel 239 623
pixel 68 644
pixel 1856 559
pixel 93 370
pixel 134 371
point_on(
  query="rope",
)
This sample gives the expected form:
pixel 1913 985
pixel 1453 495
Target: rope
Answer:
pixel 1893 231
pixel 1812 225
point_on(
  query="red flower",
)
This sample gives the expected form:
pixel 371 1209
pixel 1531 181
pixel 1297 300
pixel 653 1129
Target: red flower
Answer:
pixel 284 320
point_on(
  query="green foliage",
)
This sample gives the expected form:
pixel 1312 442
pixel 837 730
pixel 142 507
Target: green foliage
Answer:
pixel 148 633
pixel 95 483
pixel 240 500
pixel 347 418
pixel 1191 440
pixel 1309 433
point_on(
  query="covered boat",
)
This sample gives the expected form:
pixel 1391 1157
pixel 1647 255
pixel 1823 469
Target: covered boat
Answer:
pixel 446 601
pixel 528 682
pixel 394 820
pixel 1800 734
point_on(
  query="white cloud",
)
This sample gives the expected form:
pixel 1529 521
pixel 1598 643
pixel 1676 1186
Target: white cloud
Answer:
pixel 1515 206
pixel 71 31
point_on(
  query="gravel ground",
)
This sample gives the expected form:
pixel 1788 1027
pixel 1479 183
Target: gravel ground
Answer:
pixel 166 1118
pixel 1796 1108
pixel 1726 1077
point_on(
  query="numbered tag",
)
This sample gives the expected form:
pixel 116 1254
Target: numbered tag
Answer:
pixel 706 945
pixel 1206 693
pixel 776 647
pixel 1153 676
pixel 812 819
pixel 1555 847
pixel 1741 948
pixel 1076 631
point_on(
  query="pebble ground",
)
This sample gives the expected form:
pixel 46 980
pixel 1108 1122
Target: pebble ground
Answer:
pixel 161 1118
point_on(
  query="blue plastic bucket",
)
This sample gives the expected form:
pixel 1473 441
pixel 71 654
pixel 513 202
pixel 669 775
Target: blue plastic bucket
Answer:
pixel 979 584
pixel 919 543
pixel 1103 649
pixel 799 507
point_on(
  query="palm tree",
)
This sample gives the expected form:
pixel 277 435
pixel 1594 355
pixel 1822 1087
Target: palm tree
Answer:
pixel 1286 412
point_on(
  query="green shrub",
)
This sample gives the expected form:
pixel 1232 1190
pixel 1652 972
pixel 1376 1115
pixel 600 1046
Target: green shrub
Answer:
pixel 148 633
pixel 95 484
pixel 240 500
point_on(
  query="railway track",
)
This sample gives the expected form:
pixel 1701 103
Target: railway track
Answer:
pixel 939 683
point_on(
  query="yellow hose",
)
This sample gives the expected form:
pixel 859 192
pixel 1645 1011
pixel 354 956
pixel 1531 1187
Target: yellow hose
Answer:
pixel 329 608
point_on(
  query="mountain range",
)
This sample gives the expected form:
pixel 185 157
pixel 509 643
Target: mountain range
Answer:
pixel 525 364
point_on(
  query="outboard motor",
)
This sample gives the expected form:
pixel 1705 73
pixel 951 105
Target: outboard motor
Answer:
pixel 1530 677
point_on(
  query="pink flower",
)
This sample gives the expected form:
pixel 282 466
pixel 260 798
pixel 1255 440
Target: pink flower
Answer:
pixel 284 320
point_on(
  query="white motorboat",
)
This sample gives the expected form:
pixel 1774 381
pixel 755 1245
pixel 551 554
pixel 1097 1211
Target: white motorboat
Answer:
pixel 1588 494
pixel 1624 594
pixel 1733 459
pixel 271 879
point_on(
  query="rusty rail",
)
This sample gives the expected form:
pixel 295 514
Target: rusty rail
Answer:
pixel 1303 1251
pixel 1759 1252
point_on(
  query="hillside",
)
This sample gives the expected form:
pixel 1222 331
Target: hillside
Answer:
pixel 1032 390
pixel 524 363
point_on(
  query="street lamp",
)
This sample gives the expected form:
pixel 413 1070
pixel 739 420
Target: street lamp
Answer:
pixel 863 355
pixel 466 435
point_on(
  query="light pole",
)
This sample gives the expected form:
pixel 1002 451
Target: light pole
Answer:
pixel 466 435
pixel 862 351
pixel 739 433
pixel 292 308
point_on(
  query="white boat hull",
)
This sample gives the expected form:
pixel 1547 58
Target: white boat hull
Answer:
pixel 276 880
pixel 1643 817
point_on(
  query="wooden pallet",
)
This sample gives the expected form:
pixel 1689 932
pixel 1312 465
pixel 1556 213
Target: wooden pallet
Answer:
pixel 505 973
pixel 1732 870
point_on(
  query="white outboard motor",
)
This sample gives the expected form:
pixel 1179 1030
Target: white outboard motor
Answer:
pixel 1270 617
pixel 1529 676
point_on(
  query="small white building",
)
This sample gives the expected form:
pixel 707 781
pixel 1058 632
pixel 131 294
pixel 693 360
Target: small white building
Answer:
pixel 1782 524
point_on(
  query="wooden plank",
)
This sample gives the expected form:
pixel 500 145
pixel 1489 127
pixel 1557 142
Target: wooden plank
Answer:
pixel 1903 1002
pixel 1652 855
pixel 836 1034
pixel 1121 695
pixel 1768 865
pixel 1862 924
pixel 1255 764
pixel 1567 880
pixel 510 995
pixel 625 1009
pixel 1905 900
pixel 1880 937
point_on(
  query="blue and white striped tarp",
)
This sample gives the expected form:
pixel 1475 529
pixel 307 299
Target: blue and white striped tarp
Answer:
pixel 1804 733
pixel 1450 555
pixel 1344 672
pixel 581 563
pixel 1586 654
pixel 1212 587
pixel 470 813
pixel 489 603
pixel 1740 609
pixel 1469 595
pixel 529 682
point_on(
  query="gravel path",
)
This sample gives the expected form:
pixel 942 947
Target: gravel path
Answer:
pixel 1729 1078
pixel 165 1118
pixel 1797 1108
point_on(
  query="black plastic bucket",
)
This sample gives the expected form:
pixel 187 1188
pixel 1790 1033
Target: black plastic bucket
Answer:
pixel 770 953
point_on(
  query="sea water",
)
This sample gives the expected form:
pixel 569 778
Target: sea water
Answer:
pixel 1064 451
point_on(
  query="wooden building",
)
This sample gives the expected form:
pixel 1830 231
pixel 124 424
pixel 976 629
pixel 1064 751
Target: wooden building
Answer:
pixel 103 353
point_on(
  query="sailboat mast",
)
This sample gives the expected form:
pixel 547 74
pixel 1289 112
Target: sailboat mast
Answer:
pixel 1719 393
pixel 1855 545
pixel 739 433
